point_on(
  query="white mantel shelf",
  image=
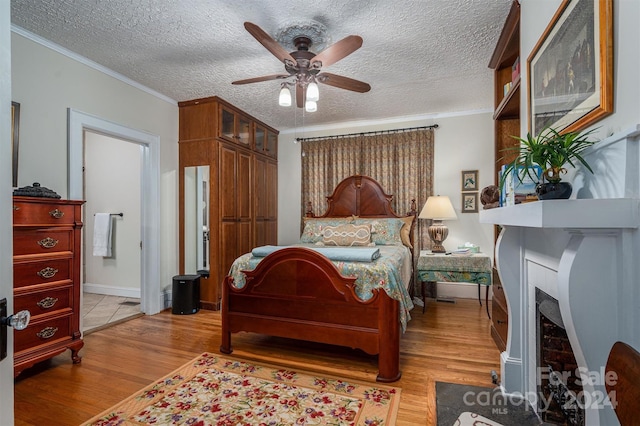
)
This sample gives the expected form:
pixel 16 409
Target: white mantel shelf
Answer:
pixel 568 214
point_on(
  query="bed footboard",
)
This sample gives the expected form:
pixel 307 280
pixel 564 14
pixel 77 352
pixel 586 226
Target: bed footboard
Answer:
pixel 298 293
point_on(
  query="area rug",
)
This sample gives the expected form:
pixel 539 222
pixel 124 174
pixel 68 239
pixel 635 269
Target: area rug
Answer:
pixel 453 400
pixel 214 390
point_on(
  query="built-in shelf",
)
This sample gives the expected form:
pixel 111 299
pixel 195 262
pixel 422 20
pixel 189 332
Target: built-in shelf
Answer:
pixel 605 213
pixel 509 106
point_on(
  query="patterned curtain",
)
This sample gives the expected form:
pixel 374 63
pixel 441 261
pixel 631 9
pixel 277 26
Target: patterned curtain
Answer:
pixel 402 161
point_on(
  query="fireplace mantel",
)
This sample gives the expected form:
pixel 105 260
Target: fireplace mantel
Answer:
pixel 614 213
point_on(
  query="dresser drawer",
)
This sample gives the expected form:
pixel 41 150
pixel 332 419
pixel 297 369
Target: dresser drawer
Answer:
pixel 499 321
pixel 42 214
pixel 41 271
pixel 40 333
pixel 498 293
pixel 38 241
pixel 44 301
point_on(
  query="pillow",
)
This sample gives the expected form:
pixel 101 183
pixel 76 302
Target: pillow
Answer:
pixel 384 231
pixel 313 226
pixel 347 235
pixel 405 231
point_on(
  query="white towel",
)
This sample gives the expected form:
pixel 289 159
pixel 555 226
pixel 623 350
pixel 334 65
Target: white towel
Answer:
pixel 102 235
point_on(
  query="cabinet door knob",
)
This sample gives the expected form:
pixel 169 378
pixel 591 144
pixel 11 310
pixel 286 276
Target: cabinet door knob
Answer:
pixel 56 213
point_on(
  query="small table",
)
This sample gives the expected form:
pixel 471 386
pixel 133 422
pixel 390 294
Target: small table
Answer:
pixel 474 268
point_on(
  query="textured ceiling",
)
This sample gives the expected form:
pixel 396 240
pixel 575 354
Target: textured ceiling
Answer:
pixel 420 57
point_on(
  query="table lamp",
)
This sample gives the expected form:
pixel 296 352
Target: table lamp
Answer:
pixel 438 208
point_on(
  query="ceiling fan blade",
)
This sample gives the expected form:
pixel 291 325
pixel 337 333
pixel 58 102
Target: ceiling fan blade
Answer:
pixel 343 82
pixel 263 78
pixel 301 96
pixel 337 51
pixel 269 43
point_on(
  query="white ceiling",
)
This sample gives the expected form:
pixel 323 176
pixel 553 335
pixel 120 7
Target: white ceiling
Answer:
pixel 421 57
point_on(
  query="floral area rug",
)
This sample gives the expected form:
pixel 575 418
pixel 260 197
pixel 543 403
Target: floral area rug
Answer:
pixel 213 390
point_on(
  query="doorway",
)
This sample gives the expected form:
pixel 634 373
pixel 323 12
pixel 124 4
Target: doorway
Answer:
pixel 111 282
pixel 80 124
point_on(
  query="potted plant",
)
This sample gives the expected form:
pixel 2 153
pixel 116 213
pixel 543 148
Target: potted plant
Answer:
pixel 550 150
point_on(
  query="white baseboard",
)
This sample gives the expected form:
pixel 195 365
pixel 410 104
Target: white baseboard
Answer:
pixel 131 292
pixel 461 291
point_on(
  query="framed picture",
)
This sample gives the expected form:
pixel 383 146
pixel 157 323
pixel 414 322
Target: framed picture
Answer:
pixel 570 84
pixel 470 180
pixel 470 203
pixel 15 139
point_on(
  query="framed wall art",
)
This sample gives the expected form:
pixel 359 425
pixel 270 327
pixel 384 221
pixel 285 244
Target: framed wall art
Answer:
pixel 470 203
pixel 15 139
pixel 570 69
pixel 469 180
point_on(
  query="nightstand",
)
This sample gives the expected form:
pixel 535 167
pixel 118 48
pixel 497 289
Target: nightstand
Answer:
pixel 441 267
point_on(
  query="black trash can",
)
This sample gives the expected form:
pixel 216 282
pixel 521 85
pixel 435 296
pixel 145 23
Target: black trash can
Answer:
pixel 185 294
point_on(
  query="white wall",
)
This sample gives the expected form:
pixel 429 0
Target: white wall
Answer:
pixel 46 83
pixel 113 170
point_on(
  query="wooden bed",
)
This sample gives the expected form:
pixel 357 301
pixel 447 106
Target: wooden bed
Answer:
pixel 298 293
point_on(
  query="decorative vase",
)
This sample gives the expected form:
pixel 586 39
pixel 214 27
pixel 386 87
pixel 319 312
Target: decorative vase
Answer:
pixel 554 190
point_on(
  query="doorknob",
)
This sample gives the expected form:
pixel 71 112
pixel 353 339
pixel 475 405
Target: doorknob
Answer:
pixel 18 321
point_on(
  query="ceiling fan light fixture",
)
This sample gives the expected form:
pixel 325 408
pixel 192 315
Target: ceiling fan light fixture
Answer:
pixel 310 106
pixel 285 96
pixel 313 94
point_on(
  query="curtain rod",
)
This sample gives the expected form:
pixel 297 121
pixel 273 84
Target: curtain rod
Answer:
pixel 377 132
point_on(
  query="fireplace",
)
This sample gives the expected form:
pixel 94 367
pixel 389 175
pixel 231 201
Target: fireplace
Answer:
pixel 560 390
pixel 583 253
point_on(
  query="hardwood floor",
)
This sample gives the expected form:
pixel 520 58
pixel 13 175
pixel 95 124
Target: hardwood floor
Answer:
pixel 450 343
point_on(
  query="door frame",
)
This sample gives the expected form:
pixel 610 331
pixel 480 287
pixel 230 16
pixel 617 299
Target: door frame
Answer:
pixel 150 296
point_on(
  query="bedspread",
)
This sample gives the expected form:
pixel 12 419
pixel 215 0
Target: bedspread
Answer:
pixel 387 272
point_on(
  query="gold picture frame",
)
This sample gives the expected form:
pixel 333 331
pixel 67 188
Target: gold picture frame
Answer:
pixel 469 203
pixel 469 180
pixel 570 69
pixel 15 140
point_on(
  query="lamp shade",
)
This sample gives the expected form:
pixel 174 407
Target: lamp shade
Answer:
pixel 438 207
pixel 285 96
pixel 313 94
pixel 311 106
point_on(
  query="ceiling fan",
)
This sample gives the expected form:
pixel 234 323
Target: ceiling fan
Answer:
pixel 304 67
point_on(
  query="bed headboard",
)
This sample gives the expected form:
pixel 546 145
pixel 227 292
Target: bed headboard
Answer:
pixel 361 196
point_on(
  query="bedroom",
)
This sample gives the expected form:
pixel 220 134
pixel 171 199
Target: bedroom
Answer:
pixel 50 95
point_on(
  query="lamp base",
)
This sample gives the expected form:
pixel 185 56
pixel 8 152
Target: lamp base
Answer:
pixel 438 248
pixel 438 232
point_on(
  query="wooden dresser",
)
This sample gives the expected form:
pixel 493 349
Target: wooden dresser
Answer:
pixel 46 278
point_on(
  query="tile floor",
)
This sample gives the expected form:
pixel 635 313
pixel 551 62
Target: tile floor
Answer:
pixel 100 311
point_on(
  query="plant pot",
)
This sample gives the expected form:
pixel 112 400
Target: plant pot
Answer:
pixel 554 191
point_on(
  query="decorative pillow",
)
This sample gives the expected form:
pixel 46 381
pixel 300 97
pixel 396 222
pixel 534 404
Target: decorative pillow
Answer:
pixel 384 231
pixel 312 232
pixel 347 235
pixel 405 231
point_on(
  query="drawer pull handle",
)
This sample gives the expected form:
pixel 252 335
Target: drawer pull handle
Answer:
pixel 15 208
pixel 47 243
pixel 47 332
pixel 47 302
pixel 47 272
pixel 501 322
pixel 56 213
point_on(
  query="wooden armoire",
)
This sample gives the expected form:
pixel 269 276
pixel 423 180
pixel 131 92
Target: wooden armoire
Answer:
pixel 242 156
